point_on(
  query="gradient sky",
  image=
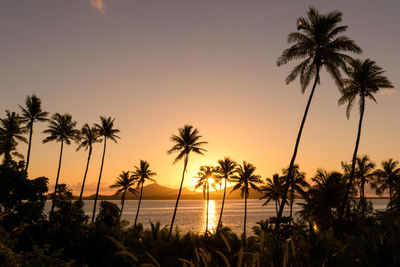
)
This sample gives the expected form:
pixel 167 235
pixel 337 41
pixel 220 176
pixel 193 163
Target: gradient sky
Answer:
pixel 157 65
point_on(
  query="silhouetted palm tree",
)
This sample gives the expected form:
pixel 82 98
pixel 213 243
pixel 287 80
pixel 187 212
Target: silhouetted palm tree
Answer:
pixel 61 129
pixel 364 80
pixel 323 199
pixel 10 133
pixel 185 142
pixel 364 173
pixel 226 168
pixel 319 41
pixel 273 190
pixel 141 174
pixel 124 183
pixel 386 178
pixel 30 113
pixel 89 136
pixel 204 176
pixel 296 184
pixel 245 179
pixel 107 131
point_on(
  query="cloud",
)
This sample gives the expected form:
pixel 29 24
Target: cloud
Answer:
pixel 387 91
pixel 99 5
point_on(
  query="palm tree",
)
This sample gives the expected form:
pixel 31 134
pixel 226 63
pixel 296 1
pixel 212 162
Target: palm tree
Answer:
pixel 273 190
pixel 364 173
pixel 61 129
pixel 204 176
pixel 364 80
pixel 387 178
pixel 185 142
pixel 107 131
pixel 323 199
pixel 319 42
pixel 226 168
pixel 245 179
pixel 10 133
pixel 30 113
pixel 141 174
pixel 296 184
pixel 124 183
pixel 89 136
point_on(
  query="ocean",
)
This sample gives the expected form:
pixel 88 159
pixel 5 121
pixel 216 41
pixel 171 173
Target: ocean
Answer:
pixel 191 214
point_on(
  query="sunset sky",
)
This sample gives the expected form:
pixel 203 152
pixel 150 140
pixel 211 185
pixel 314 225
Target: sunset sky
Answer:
pixel 157 65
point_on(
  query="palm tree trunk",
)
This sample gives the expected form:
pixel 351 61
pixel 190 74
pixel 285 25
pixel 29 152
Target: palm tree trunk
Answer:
pixel 208 199
pixel 222 207
pixel 179 195
pixel 353 163
pixel 362 198
pixel 84 177
pixel 292 161
pixel 245 217
pixel 276 207
pixel 138 207
pixel 291 203
pixel 29 146
pixel 98 183
pixel 58 175
pixel 122 204
pixel 390 198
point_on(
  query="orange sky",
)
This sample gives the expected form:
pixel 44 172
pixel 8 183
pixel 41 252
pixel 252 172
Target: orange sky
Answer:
pixel 157 65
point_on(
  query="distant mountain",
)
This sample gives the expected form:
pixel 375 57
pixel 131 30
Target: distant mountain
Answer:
pixel 156 191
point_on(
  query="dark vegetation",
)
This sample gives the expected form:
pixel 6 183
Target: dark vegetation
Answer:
pixel 336 225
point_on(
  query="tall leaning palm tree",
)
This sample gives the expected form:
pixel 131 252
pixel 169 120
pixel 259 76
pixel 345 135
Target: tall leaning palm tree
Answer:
pixel 32 112
pixel 319 43
pixel 61 129
pixel 364 79
pixel 124 183
pixel 245 179
pixel 89 136
pixel 142 174
pixel 204 175
pixel 107 131
pixel 386 178
pixel 11 132
pixel 226 168
pixel 186 141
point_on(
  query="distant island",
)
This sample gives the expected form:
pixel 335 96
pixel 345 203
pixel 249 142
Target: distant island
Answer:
pixel 159 192
pixel 156 191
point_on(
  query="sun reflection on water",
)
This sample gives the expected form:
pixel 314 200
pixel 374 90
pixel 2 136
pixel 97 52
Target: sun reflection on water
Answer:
pixel 212 216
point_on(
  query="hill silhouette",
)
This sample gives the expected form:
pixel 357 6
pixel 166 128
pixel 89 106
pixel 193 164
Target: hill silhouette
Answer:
pixel 155 191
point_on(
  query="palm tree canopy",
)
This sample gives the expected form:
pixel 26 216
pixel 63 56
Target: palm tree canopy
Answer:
pixel 33 110
pixel 187 141
pixel 364 79
pixel 203 176
pixel 298 181
pixel 88 136
pixel 143 173
pixel 273 188
pixel 61 129
pixel 124 182
pixel 10 133
pixel 246 179
pixel 389 174
pixel 364 169
pixel 106 128
pixel 318 42
pixel 225 169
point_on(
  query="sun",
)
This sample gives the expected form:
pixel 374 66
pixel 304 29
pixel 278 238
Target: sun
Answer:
pixel 211 181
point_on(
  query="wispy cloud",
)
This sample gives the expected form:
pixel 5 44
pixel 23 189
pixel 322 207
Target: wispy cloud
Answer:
pixel 387 91
pixel 99 5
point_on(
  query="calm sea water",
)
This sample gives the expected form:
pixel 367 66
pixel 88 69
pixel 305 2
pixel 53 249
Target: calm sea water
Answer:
pixel 191 214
